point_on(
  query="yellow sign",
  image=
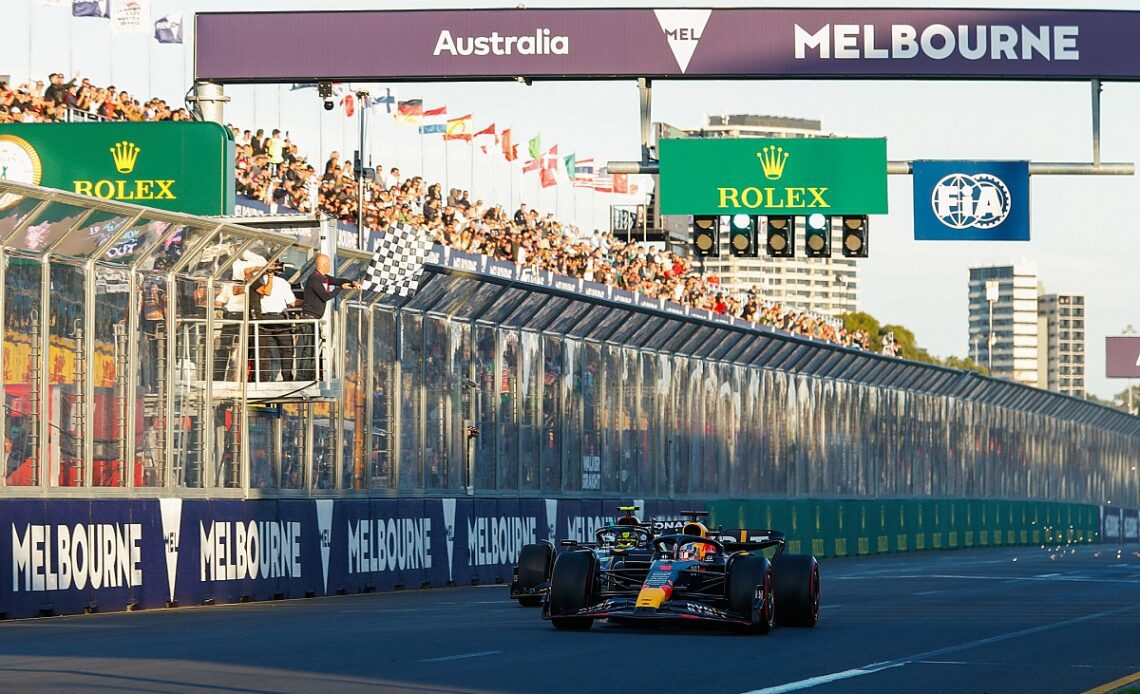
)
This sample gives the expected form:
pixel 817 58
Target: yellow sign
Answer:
pixel 125 155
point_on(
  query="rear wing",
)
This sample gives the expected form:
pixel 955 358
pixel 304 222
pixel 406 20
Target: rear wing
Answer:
pixel 750 539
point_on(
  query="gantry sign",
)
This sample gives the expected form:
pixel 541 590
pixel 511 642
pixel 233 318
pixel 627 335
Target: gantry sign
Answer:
pixel 503 44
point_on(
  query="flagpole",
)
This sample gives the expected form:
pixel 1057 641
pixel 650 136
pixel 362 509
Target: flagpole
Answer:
pixel 471 149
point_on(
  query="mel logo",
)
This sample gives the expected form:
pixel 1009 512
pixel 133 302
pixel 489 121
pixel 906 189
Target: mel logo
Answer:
pixel 963 201
pixel 683 29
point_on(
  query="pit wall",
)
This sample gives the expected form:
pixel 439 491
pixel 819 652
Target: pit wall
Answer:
pixel 72 556
pixel 859 527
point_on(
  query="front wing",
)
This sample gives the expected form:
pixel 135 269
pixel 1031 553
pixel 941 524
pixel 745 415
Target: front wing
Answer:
pixel 678 609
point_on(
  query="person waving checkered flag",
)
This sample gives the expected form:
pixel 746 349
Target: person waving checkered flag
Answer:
pixel 398 261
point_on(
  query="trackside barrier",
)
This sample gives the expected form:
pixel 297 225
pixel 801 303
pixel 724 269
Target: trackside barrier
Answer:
pixel 860 527
pixel 61 556
pixel 70 556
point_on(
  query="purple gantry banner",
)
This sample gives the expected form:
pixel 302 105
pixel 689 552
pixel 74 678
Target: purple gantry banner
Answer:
pixel 1123 357
pixel 693 43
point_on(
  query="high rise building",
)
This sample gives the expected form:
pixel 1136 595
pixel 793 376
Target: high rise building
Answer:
pixel 1003 321
pixel 827 286
pixel 1061 346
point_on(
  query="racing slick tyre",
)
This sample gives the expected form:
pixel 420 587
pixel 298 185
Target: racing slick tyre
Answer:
pixel 571 589
pixel 797 589
pixel 534 561
pixel 745 575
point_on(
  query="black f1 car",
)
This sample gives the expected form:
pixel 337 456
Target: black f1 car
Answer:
pixel 695 575
pixel 627 536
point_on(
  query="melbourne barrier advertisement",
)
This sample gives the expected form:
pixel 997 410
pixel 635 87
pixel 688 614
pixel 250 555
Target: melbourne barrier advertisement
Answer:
pixel 773 176
pixel 68 556
pixel 689 43
pixel 971 200
pixel 60 557
pixel 181 167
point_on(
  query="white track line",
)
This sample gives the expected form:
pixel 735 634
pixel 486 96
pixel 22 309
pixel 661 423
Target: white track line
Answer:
pixel 459 657
pixel 906 660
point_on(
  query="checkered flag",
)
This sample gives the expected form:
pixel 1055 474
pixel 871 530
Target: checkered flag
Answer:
pixel 398 261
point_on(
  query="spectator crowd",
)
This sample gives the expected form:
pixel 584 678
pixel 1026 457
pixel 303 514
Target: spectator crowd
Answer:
pixel 270 169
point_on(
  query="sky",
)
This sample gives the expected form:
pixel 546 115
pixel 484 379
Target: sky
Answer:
pixel 1084 235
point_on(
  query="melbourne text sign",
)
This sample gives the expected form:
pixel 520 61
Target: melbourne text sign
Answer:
pixel 774 177
pixel 620 43
pixel 971 200
pixel 183 167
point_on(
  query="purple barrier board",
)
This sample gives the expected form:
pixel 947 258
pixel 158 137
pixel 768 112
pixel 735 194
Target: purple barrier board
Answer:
pixel 68 556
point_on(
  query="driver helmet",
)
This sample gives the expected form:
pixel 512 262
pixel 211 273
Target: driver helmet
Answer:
pixel 694 551
pixel 625 539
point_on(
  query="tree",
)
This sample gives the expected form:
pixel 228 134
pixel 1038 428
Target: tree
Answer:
pixel 1120 400
pixel 907 347
pixel 965 363
pixel 853 322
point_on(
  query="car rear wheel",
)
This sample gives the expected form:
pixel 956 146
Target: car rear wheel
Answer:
pixel 797 589
pixel 746 575
pixel 571 589
pixel 534 562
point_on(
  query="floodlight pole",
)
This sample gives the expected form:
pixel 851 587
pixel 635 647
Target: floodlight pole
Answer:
pixel 361 236
pixel 1096 89
pixel 645 91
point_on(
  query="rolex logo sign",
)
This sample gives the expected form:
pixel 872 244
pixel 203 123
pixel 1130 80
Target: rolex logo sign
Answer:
pixel 772 161
pixel 183 167
pixel 773 176
pixel 125 155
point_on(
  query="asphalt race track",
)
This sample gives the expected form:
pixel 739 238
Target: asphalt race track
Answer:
pixel 995 620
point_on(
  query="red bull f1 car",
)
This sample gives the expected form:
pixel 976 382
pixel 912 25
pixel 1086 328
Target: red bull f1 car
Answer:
pixel 722 577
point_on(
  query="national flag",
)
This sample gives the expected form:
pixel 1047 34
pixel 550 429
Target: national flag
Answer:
pixel 535 146
pixel 532 165
pixel 410 112
pixel 550 159
pixel 168 29
pixel 510 152
pixel 584 173
pixel 487 132
pixel 548 177
pixel 621 184
pixel 569 162
pixel 387 100
pixel 458 128
pixel 398 261
pixel 90 8
pixel 432 123
pixel 349 103
pixel 603 182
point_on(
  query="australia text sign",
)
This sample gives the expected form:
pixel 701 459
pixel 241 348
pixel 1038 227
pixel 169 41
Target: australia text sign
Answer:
pixel 971 200
pixel 695 43
pixel 774 177
pixel 182 167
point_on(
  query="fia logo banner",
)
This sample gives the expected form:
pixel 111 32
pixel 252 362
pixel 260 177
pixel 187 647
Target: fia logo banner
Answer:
pixel 971 200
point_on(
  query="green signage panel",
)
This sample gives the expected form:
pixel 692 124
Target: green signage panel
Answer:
pixel 183 167
pixel 793 176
